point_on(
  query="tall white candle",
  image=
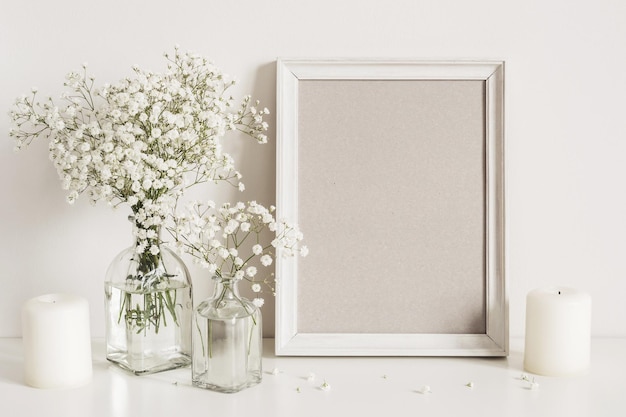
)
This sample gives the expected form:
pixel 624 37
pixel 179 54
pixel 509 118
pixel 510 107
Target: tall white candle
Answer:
pixel 558 332
pixel 57 341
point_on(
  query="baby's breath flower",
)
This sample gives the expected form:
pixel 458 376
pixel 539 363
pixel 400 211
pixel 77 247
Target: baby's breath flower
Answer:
pixel 142 140
pixel 251 272
pixel 266 260
pixel 215 237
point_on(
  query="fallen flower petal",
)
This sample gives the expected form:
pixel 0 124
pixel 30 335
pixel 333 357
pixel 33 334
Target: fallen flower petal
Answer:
pixel 425 390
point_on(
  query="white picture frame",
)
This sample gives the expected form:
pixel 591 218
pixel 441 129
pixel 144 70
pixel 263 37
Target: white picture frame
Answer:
pixel 314 294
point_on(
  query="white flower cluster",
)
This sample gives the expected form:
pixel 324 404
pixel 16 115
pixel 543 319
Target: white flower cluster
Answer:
pixel 144 140
pixel 225 240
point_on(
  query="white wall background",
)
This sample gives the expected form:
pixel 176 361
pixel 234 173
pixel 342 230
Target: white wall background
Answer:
pixel 565 123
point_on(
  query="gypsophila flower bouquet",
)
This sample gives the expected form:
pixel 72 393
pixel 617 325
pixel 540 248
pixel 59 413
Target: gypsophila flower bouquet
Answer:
pixel 142 141
pixel 217 238
pixel 227 328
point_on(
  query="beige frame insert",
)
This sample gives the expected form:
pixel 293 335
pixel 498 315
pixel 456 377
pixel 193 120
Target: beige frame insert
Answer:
pixel 395 172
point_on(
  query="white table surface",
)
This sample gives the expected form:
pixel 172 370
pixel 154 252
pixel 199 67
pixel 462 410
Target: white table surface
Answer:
pixel 359 387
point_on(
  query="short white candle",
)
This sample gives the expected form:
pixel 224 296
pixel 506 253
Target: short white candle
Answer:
pixel 558 329
pixel 57 341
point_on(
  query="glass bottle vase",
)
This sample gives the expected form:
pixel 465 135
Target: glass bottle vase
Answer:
pixel 148 311
pixel 227 340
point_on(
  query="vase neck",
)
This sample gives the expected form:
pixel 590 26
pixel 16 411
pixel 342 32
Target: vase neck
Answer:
pixel 226 287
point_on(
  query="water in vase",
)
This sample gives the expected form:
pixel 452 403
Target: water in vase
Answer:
pixel 148 331
pixel 227 347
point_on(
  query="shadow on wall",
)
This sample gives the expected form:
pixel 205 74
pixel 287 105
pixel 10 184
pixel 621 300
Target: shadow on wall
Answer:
pixel 257 163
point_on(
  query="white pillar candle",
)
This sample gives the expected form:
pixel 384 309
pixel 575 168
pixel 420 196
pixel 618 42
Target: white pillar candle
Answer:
pixel 558 329
pixel 57 341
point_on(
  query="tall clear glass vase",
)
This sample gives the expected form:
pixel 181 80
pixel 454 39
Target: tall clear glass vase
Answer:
pixel 148 308
pixel 227 340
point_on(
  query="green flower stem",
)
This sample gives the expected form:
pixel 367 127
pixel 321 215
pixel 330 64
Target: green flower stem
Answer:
pixel 158 299
pixel 210 338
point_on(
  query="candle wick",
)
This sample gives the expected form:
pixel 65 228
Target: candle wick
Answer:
pixel 559 292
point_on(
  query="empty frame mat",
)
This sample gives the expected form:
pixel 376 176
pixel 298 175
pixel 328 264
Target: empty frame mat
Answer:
pixel 392 191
